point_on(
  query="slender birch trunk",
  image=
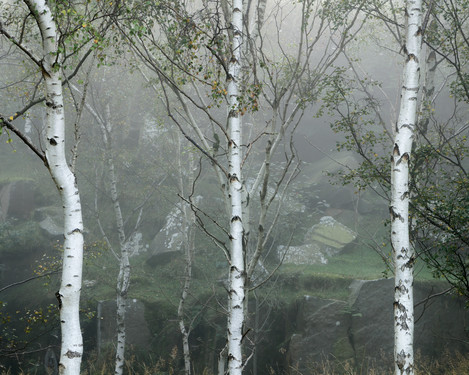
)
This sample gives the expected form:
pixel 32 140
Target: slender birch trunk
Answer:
pixel 123 283
pixel 182 325
pixel 69 292
pixel 258 20
pixel 403 251
pixel 123 278
pixel 188 221
pixel 237 275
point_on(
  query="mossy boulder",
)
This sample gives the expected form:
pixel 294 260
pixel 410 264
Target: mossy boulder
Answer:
pixel 137 330
pixel 330 233
pixel 323 240
pixel 323 335
pixel 18 199
pixel 360 331
pixel 170 238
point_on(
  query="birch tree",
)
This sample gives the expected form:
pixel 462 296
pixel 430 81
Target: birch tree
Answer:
pixel 41 33
pixel 237 275
pixel 104 113
pixel 436 187
pixel 366 140
pixel 186 190
pixel 193 54
pixel 125 241
pixel 404 255
pixel 55 160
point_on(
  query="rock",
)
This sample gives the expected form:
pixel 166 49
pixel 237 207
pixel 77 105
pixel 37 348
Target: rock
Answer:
pixel 89 283
pixel 304 254
pixel 50 220
pixel 331 233
pixel 51 226
pixel 362 332
pixel 325 325
pixel 440 322
pixel 137 331
pixel 323 240
pixel 170 237
pixel 17 199
pixel 5 193
pixel 134 243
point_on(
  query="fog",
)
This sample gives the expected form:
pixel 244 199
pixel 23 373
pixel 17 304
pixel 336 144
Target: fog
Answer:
pixel 147 139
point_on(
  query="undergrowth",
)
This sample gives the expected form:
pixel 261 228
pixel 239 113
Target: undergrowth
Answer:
pixel 447 364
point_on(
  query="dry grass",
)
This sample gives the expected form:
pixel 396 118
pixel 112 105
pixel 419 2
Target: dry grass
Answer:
pixel 447 364
pixel 104 365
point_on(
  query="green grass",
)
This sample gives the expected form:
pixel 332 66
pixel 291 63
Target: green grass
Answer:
pixel 331 280
pixel 162 283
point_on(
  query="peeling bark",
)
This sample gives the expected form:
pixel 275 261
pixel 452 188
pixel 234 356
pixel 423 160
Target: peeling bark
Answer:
pixel 237 277
pixel 399 209
pixel 65 180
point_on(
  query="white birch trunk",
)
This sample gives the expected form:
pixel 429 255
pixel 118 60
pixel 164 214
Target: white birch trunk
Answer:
pixel 188 221
pixel 237 277
pixel 221 364
pixel 258 20
pixel 69 292
pixel 123 279
pixel 123 282
pixel 403 251
pixel 182 326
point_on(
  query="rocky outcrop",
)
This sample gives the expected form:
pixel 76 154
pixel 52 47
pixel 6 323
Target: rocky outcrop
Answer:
pixel 441 321
pixel 332 234
pixel 361 330
pixel 17 199
pixel 135 244
pixel 324 326
pixel 137 331
pixel 170 237
pixel 323 240
pixel 50 220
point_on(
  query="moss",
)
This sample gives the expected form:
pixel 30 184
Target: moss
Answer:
pixel 20 239
pixel 332 233
pixel 342 349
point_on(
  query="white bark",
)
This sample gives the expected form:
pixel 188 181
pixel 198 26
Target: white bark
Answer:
pixel 69 293
pixel 258 20
pixel 237 277
pixel 123 279
pixel 188 221
pixel 403 251
pixel 182 325
pixel 281 97
pixel 123 282
pixel 222 361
